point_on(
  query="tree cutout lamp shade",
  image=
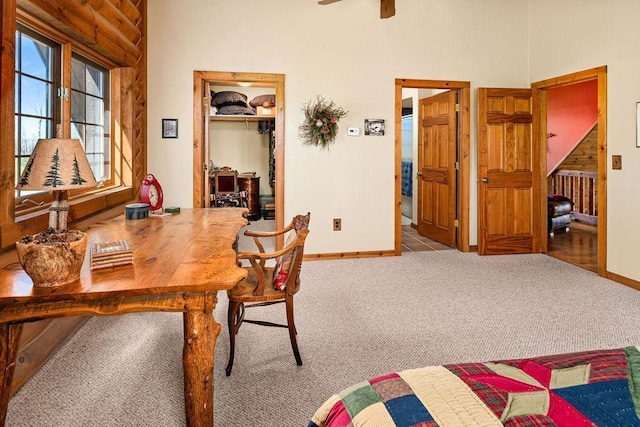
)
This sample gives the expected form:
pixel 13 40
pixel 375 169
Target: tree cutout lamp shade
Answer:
pixel 57 165
pixel 54 257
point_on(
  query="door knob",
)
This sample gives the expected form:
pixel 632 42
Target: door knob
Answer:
pixel 485 179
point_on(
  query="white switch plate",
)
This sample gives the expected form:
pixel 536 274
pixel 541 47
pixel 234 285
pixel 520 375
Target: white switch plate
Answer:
pixel 353 131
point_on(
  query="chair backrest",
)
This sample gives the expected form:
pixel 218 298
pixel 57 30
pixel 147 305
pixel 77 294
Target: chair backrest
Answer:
pixel 289 258
pixel 300 226
pixel 301 222
pixel 295 250
pixel 226 180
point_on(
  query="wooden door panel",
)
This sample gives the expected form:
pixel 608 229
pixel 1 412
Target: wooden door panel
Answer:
pixel 442 207
pixel 496 146
pixel 437 147
pixel 505 171
pixel 443 152
pixel 427 204
pixel 522 224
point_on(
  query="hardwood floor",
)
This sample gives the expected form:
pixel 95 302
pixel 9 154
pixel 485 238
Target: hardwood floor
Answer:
pixel 578 246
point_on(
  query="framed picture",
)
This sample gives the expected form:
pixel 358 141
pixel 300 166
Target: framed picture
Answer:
pixel 169 128
pixel 374 127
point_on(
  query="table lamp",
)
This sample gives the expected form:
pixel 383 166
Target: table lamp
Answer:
pixel 54 257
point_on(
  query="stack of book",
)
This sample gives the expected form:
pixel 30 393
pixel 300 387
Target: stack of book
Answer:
pixel 111 254
pixel 269 211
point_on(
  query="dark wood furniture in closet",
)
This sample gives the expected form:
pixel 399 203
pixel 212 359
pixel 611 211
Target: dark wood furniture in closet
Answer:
pixel 252 186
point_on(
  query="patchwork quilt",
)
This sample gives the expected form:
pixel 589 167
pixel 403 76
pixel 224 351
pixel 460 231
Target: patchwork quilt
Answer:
pixel 584 389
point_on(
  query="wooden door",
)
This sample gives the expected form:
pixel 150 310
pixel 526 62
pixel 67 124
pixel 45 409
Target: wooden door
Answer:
pixel 206 105
pixel 437 168
pixel 506 190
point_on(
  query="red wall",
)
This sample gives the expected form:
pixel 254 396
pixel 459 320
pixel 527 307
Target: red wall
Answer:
pixel 571 111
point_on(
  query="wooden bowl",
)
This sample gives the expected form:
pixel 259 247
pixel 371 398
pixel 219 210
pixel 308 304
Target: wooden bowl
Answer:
pixel 55 263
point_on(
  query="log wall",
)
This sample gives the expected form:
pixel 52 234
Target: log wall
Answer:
pixel 114 32
pixel 585 156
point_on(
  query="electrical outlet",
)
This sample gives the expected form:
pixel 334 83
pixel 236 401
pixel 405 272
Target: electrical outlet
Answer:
pixel 337 224
pixel 616 162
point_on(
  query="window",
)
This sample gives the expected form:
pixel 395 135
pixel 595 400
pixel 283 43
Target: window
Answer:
pixel 39 98
pixel 37 60
pixel 63 81
pixel 90 113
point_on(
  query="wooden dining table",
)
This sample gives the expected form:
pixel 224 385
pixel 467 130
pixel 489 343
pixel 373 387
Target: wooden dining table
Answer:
pixel 180 262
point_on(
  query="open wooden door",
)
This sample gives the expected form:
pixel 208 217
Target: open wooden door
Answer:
pixel 506 191
pixel 437 144
pixel 206 106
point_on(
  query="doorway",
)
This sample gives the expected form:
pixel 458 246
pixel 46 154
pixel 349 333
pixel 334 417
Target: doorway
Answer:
pixel 201 117
pixel 541 133
pixel 460 162
pixel 572 173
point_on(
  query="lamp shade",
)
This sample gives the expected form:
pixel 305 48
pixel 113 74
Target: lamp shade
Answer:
pixel 57 164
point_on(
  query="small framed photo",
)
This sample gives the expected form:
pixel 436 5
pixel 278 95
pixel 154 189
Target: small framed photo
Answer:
pixel 374 127
pixel 169 128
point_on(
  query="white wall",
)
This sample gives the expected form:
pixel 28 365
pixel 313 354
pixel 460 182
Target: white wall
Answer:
pixel 240 146
pixel 574 35
pixel 343 52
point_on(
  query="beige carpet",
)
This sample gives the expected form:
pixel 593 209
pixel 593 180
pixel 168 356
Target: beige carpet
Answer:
pixel 356 319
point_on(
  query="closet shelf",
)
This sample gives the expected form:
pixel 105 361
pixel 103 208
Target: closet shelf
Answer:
pixel 229 118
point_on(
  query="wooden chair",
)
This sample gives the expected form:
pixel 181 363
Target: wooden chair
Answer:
pixel 225 180
pixel 260 288
pixel 226 192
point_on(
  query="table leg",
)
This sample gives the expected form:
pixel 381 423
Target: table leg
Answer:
pixel 9 338
pixel 200 333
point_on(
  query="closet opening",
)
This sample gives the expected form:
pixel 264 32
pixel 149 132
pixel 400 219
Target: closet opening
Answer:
pixel 239 144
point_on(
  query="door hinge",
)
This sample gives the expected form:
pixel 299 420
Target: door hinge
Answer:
pixel 455 223
pixel 457 165
pixel 205 101
pixel 204 167
pixel 457 107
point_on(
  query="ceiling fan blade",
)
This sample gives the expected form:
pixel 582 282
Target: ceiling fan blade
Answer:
pixel 387 8
pixel 327 1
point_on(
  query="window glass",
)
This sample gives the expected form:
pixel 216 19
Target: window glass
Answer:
pixel 90 105
pixel 78 107
pixel 35 97
pixel 39 98
pixel 33 129
pixel 77 75
pixel 36 58
pixel 34 94
pixel 94 82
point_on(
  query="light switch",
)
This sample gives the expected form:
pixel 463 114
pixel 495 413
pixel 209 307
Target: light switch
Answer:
pixel 353 131
pixel 616 162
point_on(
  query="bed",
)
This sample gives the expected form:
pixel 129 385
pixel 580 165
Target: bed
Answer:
pixel 591 388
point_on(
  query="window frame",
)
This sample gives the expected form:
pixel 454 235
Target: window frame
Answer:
pixel 68 48
pixel 127 128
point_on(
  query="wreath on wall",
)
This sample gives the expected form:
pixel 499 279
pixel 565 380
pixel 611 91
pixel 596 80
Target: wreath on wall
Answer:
pixel 320 126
